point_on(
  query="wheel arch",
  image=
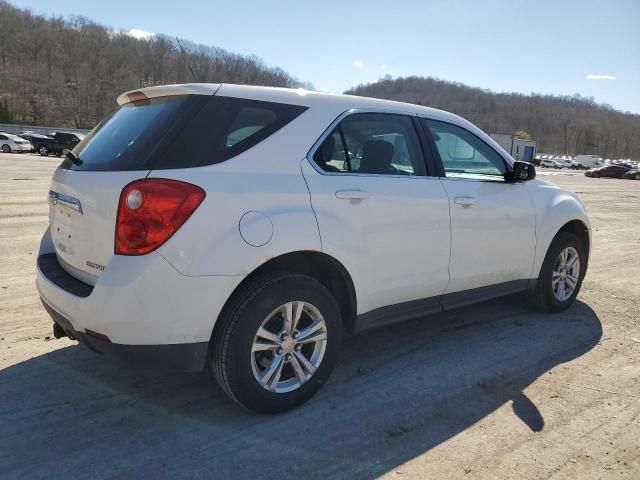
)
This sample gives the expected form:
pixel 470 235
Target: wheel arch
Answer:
pixel 326 269
pixel 575 226
pixel 579 229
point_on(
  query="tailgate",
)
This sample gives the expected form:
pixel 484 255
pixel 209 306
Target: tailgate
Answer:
pixel 82 213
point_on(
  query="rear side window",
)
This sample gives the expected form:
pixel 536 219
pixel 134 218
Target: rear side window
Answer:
pixel 179 132
pixel 224 128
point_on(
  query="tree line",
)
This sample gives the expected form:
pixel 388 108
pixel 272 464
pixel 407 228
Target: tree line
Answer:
pixel 68 72
pixel 560 124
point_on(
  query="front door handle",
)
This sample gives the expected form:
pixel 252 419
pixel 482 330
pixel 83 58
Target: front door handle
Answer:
pixel 464 201
pixel 352 195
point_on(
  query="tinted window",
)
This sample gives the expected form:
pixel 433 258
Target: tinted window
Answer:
pixel 464 154
pixel 179 132
pixel 372 143
pixel 224 128
pixel 128 138
pixel 2 137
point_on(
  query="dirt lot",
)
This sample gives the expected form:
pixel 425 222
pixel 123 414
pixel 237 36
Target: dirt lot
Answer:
pixel 494 391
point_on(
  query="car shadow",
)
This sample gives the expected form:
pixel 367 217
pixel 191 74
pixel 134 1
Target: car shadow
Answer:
pixel 397 393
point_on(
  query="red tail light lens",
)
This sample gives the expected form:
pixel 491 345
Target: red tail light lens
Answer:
pixel 151 211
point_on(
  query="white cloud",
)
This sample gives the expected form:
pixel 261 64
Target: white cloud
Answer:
pixel 140 34
pixel 358 64
pixel 384 66
pixel 591 76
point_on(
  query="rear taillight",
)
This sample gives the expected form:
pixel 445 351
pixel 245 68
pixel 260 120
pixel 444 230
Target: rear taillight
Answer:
pixel 150 211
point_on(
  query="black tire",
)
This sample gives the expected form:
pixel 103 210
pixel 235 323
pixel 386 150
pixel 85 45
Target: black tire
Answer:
pixel 230 350
pixel 543 297
pixel 6 149
pixel 43 150
pixel 58 154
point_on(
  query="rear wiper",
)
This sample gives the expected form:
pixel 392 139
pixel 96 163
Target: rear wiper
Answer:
pixel 73 157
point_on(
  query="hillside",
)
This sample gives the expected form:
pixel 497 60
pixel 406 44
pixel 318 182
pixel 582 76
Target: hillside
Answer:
pixel 67 73
pixel 560 124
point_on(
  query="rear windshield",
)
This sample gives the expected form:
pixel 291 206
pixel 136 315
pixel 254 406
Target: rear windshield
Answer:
pixel 179 132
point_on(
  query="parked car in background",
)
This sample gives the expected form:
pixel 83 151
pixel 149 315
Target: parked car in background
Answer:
pixel 246 228
pixel 58 142
pixel 633 174
pixel 610 171
pixel 551 163
pixel 33 138
pixel 13 143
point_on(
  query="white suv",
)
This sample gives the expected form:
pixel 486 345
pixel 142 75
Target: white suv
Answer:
pixel 246 228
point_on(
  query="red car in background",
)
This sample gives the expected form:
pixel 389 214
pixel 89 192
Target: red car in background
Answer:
pixel 612 171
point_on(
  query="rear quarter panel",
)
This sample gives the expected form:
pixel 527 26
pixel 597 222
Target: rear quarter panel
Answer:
pixel 267 179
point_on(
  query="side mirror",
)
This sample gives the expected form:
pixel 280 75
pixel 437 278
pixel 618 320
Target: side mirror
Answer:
pixel 522 172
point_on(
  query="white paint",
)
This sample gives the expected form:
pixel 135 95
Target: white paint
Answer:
pixel 256 228
pixel 408 240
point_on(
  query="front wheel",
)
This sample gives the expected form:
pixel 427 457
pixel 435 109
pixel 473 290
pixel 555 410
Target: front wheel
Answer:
pixel 43 150
pixel 561 274
pixel 276 342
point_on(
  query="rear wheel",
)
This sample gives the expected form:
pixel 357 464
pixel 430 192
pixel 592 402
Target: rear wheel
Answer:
pixel 43 150
pixel 6 148
pixel 276 342
pixel 561 274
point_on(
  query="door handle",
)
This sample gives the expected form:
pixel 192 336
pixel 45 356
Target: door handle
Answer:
pixel 464 201
pixel 352 195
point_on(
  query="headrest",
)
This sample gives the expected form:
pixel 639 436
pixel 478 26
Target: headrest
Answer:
pixel 376 156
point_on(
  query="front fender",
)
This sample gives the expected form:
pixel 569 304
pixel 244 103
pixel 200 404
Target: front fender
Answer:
pixel 554 208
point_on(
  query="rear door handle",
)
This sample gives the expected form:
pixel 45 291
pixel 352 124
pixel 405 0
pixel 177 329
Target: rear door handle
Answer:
pixel 352 195
pixel 464 201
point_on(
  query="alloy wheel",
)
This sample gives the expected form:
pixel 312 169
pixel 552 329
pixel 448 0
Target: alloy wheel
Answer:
pixel 566 272
pixel 289 347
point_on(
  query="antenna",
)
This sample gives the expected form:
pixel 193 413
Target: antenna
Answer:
pixel 187 59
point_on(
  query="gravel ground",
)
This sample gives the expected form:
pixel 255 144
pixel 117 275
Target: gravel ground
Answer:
pixel 492 391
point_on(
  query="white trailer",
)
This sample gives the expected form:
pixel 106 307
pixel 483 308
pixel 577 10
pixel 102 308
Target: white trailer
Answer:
pixel 587 161
pixel 519 148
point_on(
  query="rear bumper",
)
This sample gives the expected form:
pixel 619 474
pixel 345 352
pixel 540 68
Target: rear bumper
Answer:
pixel 148 310
pixel 182 356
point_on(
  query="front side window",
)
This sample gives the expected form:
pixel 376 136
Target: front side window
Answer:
pixel 463 154
pixel 372 143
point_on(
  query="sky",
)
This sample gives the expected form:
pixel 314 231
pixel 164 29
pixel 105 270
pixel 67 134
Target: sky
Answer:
pixel 589 47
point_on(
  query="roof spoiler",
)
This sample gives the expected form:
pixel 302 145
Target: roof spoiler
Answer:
pixel 168 90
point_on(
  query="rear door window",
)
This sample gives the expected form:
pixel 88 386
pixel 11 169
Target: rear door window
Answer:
pixel 372 143
pixel 179 132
